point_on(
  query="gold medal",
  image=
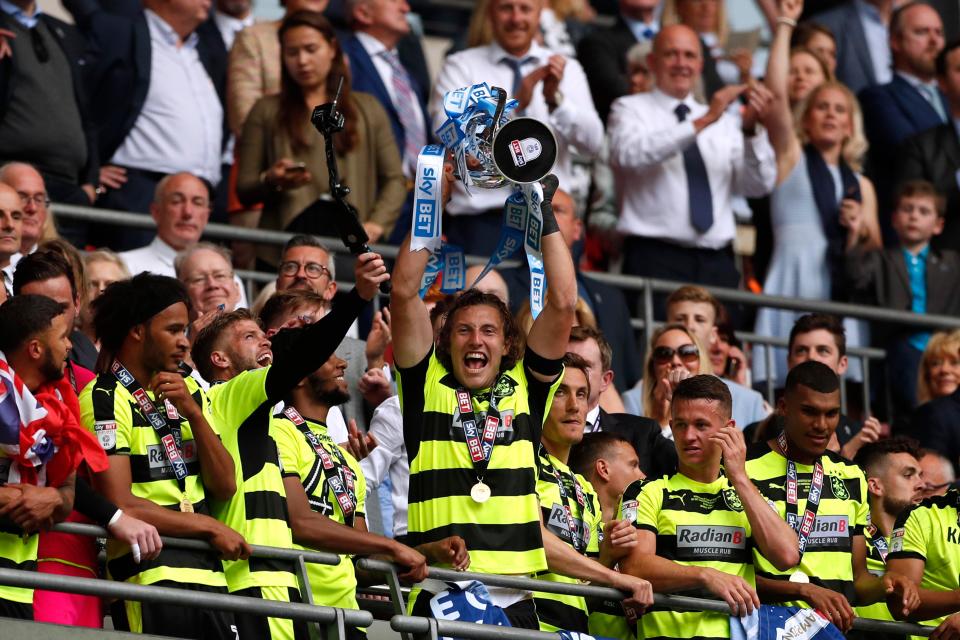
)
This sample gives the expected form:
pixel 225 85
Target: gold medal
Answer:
pixel 480 492
pixel 799 577
pixel 185 505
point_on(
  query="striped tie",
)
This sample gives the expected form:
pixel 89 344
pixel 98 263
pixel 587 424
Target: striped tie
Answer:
pixel 405 101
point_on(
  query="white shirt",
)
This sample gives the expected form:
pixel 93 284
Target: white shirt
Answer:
pixel 180 125
pixel 593 421
pixel 157 257
pixel 876 34
pixel 646 155
pixel 374 48
pixel 389 457
pixel 575 122
pixel 229 26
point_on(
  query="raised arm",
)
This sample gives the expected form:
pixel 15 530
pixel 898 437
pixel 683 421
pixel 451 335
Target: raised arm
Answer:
pixel 773 535
pixel 298 352
pixel 412 331
pixel 551 330
pixel 779 118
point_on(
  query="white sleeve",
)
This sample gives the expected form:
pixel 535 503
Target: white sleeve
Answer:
pixel 386 426
pixel 576 120
pixel 637 141
pixel 336 427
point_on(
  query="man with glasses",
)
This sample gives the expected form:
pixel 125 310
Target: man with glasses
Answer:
pixel 306 264
pixel 28 183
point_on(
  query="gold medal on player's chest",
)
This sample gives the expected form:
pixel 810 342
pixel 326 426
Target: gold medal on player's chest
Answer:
pixel 799 577
pixel 185 505
pixel 480 492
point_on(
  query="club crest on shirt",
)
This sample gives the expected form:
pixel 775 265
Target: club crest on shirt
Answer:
pixel 839 488
pixel 504 387
pixel 732 499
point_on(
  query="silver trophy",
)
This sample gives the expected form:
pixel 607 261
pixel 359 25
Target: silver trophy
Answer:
pixel 498 151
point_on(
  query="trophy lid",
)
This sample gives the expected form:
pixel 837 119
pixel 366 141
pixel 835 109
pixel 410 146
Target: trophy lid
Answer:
pixel 524 150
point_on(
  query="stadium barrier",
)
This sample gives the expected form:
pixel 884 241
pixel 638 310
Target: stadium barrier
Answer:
pixel 334 621
pixel 646 287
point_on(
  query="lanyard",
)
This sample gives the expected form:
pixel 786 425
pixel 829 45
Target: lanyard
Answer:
pixel 878 541
pixel 166 426
pixel 579 543
pixel 337 473
pixel 805 526
pixel 479 443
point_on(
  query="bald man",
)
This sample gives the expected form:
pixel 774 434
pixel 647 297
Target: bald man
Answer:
pixel 678 163
pixel 607 303
pixel 11 227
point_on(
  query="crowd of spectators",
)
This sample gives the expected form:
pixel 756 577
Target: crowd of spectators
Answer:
pixel 467 431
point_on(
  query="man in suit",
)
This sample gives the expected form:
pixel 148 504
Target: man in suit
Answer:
pixel 377 67
pixel 908 104
pixel 603 53
pixel 860 29
pixel 157 88
pixel 934 155
pixel 44 119
pixel 605 301
pixel 656 454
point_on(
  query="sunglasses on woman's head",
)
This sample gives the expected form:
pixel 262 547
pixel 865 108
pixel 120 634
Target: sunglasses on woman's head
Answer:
pixel 687 353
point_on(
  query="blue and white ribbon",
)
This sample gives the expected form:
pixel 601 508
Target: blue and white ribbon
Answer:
pixel 428 201
pixel 470 111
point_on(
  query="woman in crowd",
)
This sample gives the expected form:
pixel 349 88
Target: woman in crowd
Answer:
pixel 821 207
pixel 940 367
pixel 282 161
pixel 673 355
pixel 818 39
pixel 103 267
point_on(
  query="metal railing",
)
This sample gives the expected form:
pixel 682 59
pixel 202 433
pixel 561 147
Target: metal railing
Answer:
pixel 335 620
pixel 647 288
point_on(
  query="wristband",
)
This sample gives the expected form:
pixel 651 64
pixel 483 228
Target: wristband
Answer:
pixel 550 184
pixel 115 517
pixel 790 22
pixel 544 366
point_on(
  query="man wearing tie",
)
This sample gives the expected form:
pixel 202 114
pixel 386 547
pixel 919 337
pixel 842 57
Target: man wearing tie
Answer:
pixel 907 105
pixel 549 88
pixel 677 163
pixel 379 68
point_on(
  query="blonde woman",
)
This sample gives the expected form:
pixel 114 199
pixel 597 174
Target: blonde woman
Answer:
pixel 821 206
pixel 674 354
pixel 939 374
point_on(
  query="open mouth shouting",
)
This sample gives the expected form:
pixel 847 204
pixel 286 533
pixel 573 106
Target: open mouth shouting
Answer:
pixel 475 361
pixel 265 359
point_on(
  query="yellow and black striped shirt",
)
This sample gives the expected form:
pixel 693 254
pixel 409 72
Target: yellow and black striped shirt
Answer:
pixel 930 531
pixel 258 510
pixel 17 550
pixel 503 533
pixel 557 611
pixel 843 514
pixel 111 412
pixel 696 524
pixel 332 586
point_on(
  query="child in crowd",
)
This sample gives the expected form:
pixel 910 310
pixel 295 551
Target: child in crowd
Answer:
pixel 913 276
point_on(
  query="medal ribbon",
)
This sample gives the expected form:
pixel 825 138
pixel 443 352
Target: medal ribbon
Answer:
pixel 879 542
pixel 805 526
pixel 167 427
pixel 479 442
pixel 579 543
pixel 338 474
